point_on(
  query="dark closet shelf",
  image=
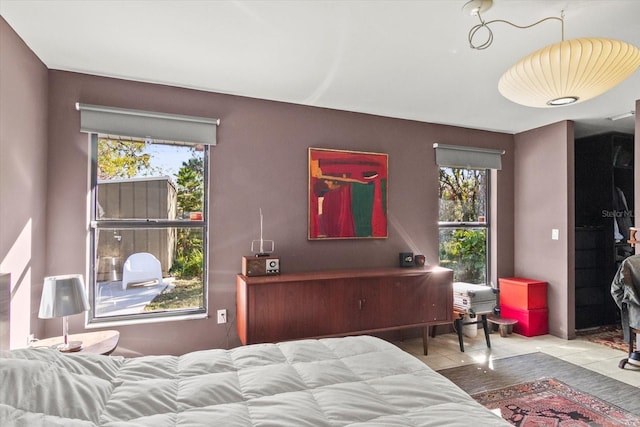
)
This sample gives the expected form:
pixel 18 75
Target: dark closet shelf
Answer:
pixel 603 164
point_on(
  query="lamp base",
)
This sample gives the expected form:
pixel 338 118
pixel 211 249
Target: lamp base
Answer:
pixel 71 347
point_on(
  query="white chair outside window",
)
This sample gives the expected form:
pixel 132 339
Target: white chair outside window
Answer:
pixel 141 267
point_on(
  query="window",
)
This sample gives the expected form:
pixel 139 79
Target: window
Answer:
pixel 148 229
pixel 463 223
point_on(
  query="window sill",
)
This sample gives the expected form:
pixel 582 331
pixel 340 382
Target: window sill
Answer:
pixel 94 324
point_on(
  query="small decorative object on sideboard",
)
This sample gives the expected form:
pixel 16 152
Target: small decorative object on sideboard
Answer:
pixel 260 265
pixel 406 259
pixel 263 263
pixel 420 260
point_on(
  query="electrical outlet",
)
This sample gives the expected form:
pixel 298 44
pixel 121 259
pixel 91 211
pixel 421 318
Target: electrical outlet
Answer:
pixel 222 316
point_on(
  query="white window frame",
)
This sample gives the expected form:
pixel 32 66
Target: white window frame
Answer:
pixel 479 158
pixel 97 224
pixel 486 225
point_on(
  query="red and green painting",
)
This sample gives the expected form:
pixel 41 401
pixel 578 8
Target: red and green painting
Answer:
pixel 347 194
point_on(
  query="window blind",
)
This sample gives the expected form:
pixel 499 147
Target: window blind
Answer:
pixel 147 124
pixel 468 157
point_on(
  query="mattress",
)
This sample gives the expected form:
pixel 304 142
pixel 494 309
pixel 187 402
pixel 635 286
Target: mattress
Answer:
pixel 353 381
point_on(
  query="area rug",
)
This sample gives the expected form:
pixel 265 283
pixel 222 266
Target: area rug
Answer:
pixel 610 336
pixel 549 402
pixel 500 373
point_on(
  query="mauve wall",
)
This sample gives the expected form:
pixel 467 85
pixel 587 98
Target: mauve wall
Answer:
pixel 544 200
pixel 23 165
pixel 260 162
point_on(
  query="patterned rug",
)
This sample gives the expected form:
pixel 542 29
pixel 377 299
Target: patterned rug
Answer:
pixel 549 402
pixel 610 336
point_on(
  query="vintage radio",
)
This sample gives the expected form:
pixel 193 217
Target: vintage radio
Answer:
pixel 260 265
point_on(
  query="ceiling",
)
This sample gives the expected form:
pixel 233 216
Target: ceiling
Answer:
pixel 404 59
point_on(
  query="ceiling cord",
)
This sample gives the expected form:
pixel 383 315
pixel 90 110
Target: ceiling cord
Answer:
pixel 489 41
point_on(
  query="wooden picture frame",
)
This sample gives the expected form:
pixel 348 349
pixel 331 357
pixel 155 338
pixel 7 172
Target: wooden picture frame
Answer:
pixel 347 194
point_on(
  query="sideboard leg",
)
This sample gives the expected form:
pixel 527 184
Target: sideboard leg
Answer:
pixel 425 338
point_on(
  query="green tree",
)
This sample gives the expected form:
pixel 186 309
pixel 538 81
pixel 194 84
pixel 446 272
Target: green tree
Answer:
pixel 190 181
pixel 464 251
pixel 461 194
pixel 463 199
pixel 122 159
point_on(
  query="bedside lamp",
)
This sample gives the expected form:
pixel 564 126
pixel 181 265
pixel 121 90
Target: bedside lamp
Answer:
pixel 63 296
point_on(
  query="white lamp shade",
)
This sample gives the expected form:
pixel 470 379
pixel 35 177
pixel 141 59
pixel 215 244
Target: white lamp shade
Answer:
pixel 569 71
pixel 63 296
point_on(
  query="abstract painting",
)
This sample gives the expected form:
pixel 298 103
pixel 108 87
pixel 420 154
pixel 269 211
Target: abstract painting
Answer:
pixel 347 194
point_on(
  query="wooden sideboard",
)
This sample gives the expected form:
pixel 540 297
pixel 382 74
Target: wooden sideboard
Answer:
pixel 342 302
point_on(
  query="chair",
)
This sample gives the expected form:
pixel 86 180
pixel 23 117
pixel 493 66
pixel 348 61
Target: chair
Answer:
pixel 625 290
pixel 141 267
pixel 632 333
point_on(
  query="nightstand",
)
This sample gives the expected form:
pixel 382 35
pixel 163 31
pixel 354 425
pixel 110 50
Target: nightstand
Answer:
pixel 101 342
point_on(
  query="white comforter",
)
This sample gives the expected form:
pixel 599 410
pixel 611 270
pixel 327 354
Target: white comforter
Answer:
pixel 329 382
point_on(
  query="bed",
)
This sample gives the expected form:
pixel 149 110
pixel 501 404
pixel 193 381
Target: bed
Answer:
pixel 352 381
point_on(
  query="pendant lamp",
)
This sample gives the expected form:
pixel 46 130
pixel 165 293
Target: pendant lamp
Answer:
pixel 569 72
pixel 563 73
